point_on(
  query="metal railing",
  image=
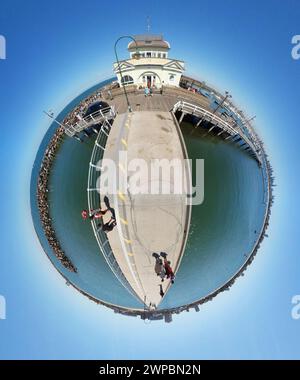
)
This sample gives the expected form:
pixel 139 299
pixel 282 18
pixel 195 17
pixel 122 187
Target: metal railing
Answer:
pixel 94 202
pixel 96 117
pixel 232 130
pixel 122 213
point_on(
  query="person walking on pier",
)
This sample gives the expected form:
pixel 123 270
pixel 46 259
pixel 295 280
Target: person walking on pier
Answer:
pixel 162 273
pixel 109 226
pixel 159 266
pixel 95 214
pixel 109 93
pixel 158 263
pixel 169 271
pixel 107 204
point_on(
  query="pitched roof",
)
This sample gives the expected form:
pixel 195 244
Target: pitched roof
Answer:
pixel 148 41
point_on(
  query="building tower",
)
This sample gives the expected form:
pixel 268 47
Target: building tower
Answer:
pixel 153 68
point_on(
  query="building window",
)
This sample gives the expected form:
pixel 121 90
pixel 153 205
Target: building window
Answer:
pixel 171 77
pixel 164 55
pixel 148 54
pixel 153 55
pixel 158 55
pixel 127 79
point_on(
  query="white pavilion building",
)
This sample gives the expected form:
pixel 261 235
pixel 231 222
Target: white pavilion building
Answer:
pixel 153 67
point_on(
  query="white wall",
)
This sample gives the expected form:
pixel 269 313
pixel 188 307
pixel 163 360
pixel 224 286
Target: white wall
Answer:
pixel 162 75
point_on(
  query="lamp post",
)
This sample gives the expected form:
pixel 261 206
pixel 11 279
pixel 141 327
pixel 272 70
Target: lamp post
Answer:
pixel 223 101
pixel 51 115
pixel 119 67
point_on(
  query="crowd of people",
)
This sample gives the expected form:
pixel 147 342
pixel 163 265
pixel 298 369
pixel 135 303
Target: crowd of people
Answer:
pixel 42 199
pixel 148 91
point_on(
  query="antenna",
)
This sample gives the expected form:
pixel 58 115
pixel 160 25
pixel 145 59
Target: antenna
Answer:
pixel 148 24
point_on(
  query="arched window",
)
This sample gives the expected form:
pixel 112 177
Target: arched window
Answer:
pixel 127 79
pixel 171 77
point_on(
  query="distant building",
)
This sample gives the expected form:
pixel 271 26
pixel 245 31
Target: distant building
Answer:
pixel 151 67
pixel 168 317
pixel 156 317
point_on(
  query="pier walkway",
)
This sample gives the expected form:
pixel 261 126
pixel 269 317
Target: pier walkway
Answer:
pixel 150 223
pixel 146 223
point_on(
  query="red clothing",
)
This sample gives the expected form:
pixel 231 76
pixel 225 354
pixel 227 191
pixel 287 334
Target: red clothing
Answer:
pixel 84 214
pixel 169 271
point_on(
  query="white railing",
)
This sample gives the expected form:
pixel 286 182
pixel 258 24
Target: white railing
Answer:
pixel 93 195
pixel 232 130
pixel 94 118
pixel 204 113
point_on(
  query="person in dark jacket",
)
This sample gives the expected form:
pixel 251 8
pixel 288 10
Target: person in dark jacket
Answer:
pixel 109 226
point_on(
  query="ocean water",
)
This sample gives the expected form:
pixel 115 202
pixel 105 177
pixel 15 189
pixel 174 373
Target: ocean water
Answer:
pixel 68 196
pixel 225 227
pixel 222 231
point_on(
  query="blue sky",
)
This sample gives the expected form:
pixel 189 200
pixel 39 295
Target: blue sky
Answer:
pixel 57 49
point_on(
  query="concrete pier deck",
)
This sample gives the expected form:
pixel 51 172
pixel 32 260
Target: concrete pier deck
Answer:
pixel 146 223
pixel 142 221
